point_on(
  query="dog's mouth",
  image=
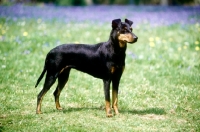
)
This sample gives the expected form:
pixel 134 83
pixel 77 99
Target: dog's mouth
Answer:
pixel 127 38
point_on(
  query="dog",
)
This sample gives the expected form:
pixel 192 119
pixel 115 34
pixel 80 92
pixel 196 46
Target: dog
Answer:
pixel 105 60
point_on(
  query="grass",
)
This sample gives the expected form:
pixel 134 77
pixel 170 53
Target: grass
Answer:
pixel 159 90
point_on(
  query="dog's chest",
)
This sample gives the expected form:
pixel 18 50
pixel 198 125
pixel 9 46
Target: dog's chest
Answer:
pixel 116 63
pixel 118 59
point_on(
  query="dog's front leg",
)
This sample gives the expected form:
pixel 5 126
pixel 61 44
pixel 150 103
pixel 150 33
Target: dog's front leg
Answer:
pixel 115 84
pixel 107 97
pixel 115 87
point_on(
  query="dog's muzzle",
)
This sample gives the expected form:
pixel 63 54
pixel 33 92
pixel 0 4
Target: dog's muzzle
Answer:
pixel 128 38
pixel 134 38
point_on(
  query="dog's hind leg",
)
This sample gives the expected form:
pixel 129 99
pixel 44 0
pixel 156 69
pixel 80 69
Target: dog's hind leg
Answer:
pixel 49 81
pixel 62 80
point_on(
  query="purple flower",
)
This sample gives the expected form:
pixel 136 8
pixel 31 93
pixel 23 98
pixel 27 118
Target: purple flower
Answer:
pixel 153 15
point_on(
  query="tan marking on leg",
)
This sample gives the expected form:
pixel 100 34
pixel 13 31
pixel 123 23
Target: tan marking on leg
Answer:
pixel 58 107
pixel 38 109
pixel 115 101
pixel 108 109
pixel 63 69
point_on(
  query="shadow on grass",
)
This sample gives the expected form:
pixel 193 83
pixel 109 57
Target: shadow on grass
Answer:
pixel 74 109
pixel 156 111
pixel 1 128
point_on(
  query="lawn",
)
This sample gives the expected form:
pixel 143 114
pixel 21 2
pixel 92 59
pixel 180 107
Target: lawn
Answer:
pixel 159 89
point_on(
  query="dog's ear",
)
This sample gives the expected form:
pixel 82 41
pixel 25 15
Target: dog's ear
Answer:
pixel 115 23
pixel 129 22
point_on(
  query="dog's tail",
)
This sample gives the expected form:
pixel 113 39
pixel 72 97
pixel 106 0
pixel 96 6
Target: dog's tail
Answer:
pixel 41 76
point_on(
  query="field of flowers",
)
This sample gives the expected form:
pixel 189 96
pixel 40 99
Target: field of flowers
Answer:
pixel 156 16
pixel 159 89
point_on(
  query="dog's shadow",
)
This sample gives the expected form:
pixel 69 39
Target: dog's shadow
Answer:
pixel 156 111
pixel 75 109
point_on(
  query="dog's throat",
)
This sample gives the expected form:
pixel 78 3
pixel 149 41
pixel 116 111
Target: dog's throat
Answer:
pixel 122 44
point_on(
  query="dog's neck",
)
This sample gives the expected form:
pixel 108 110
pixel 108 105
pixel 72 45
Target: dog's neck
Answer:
pixel 122 44
pixel 118 46
pixel 116 51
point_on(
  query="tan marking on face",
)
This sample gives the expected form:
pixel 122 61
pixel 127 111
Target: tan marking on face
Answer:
pixel 122 44
pixel 126 37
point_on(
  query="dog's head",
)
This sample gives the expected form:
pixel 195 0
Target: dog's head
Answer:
pixel 123 32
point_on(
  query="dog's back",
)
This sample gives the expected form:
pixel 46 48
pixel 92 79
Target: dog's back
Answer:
pixel 90 59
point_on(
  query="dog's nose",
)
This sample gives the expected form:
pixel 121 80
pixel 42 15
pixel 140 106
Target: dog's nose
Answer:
pixel 135 38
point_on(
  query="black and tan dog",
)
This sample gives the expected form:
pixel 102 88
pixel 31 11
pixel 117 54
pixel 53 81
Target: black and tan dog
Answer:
pixel 104 60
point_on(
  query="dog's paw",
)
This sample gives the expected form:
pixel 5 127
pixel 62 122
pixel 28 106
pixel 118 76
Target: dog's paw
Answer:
pixel 38 112
pixel 109 113
pixel 59 108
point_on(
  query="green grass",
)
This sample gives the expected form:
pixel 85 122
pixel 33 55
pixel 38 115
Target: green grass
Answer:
pixel 159 89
